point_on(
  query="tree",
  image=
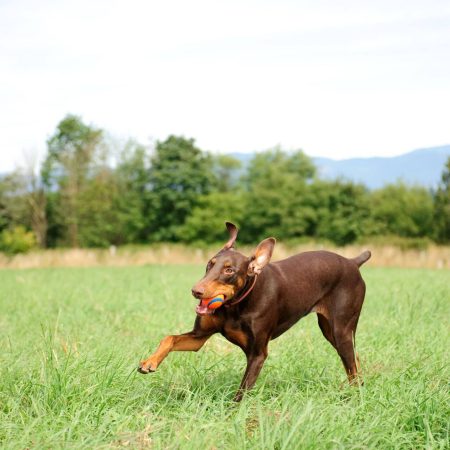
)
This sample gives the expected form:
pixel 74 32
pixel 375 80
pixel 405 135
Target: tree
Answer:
pixel 113 200
pixel 402 210
pixel 180 173
pixel 442 207
pixel 22 207
pixel 206 222
pixel 71 153
pixel 13 208
pixel 341 210
pixel 35 198
pixel 133 200
pixel 276 185
pixel 226 169
pixel 97 217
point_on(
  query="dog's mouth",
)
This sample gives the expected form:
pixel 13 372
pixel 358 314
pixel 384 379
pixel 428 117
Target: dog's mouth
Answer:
pixel 202 308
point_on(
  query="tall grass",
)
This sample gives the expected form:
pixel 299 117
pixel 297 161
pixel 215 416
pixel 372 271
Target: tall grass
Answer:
pixel 71 340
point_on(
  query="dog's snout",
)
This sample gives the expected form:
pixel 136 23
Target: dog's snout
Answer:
pixel 198 291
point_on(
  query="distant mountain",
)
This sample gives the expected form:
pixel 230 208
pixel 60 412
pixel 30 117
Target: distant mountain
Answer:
pixel 422 167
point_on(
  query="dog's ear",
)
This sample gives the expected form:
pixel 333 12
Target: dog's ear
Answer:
pixel 233 230
pixel 261 256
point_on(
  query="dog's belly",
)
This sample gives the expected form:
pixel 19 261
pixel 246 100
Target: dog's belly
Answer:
pixel 291 311
pixel 286 324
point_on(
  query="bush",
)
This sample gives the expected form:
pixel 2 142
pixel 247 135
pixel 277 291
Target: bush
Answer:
pixel 16 240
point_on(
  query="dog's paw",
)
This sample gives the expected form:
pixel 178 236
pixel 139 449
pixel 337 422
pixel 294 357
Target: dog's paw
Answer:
pixel 145 367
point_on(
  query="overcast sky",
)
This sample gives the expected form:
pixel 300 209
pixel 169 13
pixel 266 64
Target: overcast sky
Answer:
pixel 335 78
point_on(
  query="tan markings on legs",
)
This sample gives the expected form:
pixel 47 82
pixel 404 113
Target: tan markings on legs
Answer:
pixel 355 378
pixel 181 342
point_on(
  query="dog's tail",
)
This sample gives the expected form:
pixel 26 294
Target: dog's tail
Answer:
pixel 362 258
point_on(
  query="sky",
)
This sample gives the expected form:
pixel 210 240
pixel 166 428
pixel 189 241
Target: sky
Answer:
pixel 335 78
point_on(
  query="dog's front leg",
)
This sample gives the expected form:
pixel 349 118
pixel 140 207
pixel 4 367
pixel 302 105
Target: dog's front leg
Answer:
pixel 255 361
pixel 182 342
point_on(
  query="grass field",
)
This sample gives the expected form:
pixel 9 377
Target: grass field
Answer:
pixel 71 340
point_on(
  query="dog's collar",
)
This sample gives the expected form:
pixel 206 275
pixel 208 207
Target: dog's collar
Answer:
pixel 235 302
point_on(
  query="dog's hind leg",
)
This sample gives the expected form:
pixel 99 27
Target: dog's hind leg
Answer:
pixel 346 350
pixel 344 326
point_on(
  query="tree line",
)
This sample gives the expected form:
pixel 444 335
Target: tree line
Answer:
pixel 93 192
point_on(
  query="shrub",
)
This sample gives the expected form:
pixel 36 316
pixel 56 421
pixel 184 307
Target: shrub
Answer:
pixel 16 240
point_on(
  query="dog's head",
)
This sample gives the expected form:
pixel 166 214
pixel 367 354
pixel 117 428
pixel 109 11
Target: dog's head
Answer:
pixel 229 271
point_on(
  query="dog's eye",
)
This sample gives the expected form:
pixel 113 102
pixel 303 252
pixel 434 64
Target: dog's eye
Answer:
pixel 229 270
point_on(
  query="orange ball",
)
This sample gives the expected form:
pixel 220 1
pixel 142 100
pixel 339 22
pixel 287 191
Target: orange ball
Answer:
pixel 215 302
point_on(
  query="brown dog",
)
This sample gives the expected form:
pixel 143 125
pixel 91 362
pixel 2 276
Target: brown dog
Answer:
pixel 264 300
